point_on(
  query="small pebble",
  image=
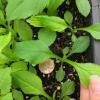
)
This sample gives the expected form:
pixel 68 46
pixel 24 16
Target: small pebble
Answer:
pixel 70 74
pixel 58 38
pixel 35 36
pixel 64 67
pixel 48 75
pixel 58 88
pixel 69 34
pixel 27 97
pixel 47 67
pixel 57 61
pixel 43 75
pixel 62 83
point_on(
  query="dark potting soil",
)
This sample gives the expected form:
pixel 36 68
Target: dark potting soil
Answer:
pixel 64 39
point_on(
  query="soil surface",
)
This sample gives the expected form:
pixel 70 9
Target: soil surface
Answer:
pixel 63 40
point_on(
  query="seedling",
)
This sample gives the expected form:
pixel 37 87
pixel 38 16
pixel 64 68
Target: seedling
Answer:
pixel 20 53
pixel 67 88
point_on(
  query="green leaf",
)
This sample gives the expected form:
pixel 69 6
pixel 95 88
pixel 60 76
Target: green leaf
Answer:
pixel 0 4
pixel 4 41
pixel 3 59
pixel 53 5
pixel 43 98
pixel 29 83
pixel 54 95
pixel 2 30
pixel 68 17
pixel 33 51
pixel 47 36
pixel 32 69
pixel 35 98
pixel 67 88
pixel 65 50
pixel 73 37
pixel 83 7
pixel 67 98
pixel 5 83
pixel 7 97
pixel 94 30
pixel 17 95
pixel 81 44
pixel 3 5
pixel 9 53
pixel 18 66
pixel 23 29
pixel 18 9
pixel 85 70
pixel 51 22
pixel 60 74
pixel 2 20
pixel 2 66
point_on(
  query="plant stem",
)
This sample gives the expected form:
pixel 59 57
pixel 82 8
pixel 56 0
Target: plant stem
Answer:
pixel 68 55
pixel 74 64
pixel 54 95
pixel 66 60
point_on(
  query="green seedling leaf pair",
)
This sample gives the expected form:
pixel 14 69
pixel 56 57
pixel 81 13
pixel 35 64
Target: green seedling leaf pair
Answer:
pixel 93 29
pixel 80 45
pixel 58 24
pixel 67 89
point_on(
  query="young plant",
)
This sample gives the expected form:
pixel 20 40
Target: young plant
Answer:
pixel 67 88
pixel 19 53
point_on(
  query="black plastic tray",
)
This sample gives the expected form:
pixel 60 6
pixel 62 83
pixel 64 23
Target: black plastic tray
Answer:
pixel 96 19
